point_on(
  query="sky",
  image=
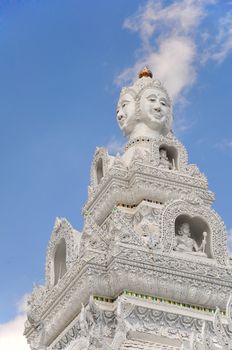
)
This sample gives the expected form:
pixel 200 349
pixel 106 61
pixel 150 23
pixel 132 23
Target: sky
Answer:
pixel 62 66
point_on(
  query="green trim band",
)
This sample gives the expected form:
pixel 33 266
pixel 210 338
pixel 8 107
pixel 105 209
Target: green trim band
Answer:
pixel 157 300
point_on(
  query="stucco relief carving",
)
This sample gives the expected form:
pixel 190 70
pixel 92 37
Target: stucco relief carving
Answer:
pixel 34 301
pixel 101 155
pixel 148 227
pixel 178 156
pixel 185 182
pixel 93 320
pixel 223 333
pixel 62 230
pixel 93 237
pixel 169 263
pixel 216 238
pixel 122 326
pixel 88 332
pixel 140 227
pixel 123 229
pixel 118 162
pixel 38 343
pixel 193 267
pixel 141 155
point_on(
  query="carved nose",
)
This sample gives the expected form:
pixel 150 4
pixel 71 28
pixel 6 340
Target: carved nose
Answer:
pixel 157 109
pixel 120 116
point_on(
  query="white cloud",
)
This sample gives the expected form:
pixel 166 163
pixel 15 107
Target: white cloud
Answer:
pixel 180 17
pixel 172 64
pixel 174 41
pixel 11 333
pixel 221 46
pixel 22 306
pixel 168 43
pixel 115 146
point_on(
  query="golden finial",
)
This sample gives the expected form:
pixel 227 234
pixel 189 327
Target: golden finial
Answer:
pixel 145 72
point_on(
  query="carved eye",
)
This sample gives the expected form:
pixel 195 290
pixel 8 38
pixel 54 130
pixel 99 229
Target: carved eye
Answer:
pixel 163 103
pixel 152 99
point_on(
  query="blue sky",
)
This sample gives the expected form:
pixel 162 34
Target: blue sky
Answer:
pixel 62 65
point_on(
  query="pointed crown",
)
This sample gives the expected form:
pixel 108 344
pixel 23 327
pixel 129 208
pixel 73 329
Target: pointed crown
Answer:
pixel 145 72
pixel 144 82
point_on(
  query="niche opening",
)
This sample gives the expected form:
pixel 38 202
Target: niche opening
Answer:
pixel 60 267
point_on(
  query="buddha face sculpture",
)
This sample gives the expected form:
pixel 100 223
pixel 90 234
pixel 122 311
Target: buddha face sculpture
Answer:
pixel 163 154
pixel 184 230
pixel 144 109
pixel 155 110
pixel 126 113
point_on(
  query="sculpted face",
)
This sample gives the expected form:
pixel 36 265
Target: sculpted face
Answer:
pixel 163 153
pixel 126 113
pixel 155 110
pixel 185 229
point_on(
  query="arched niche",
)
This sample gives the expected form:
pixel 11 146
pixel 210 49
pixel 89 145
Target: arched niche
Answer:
pixel 99 167
pixel 171 154
pixel 99 170
pixel 175 151
pixel 216 241
pixel 197 227
pixel 60 267
pixel 62 252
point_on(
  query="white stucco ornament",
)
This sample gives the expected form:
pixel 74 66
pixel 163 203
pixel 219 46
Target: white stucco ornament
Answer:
pixel 150 269
pixel 144 109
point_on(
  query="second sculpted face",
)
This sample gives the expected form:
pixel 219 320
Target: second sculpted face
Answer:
pixel 155 110
pixel 126 113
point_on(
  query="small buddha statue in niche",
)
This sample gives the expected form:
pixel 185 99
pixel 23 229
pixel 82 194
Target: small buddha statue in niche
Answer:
pixel 186 244
pixel 164 162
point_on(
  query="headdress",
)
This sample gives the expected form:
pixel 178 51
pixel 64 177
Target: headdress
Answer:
pixel 144 82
